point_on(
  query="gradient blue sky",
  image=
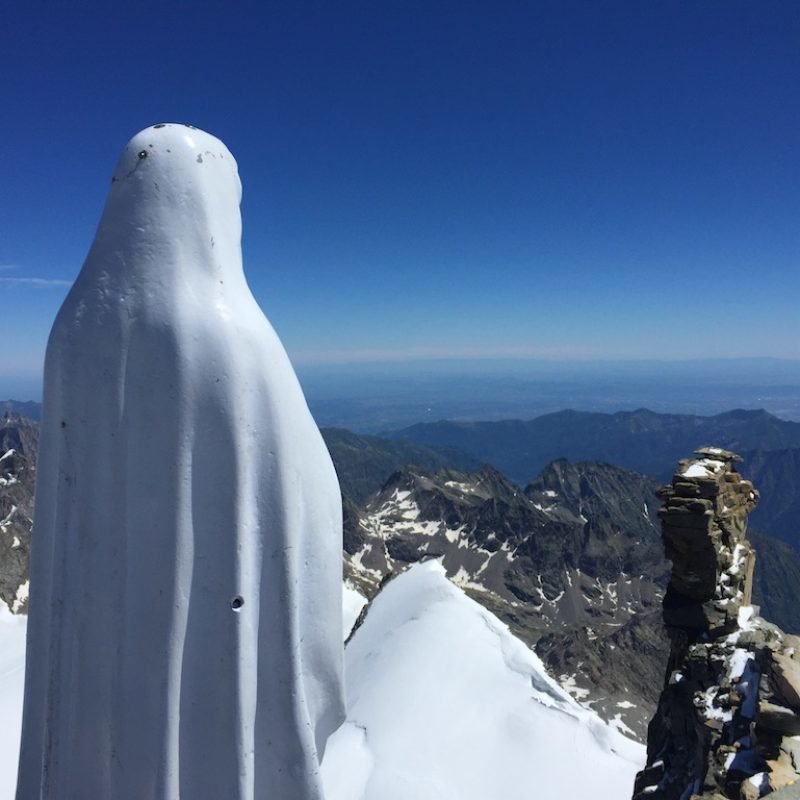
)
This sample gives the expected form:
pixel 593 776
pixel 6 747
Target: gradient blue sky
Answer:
pixel 555 179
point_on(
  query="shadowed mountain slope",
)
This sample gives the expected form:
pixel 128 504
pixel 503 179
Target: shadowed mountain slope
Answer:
pixel 641 440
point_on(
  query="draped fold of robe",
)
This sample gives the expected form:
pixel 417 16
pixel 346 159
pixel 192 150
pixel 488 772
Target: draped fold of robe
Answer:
pixel 184 636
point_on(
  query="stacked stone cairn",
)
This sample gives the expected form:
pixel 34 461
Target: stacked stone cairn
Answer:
pixel 728 719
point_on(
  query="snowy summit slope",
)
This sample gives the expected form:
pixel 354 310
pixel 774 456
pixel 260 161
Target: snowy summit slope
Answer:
pixel 445 704
pixel 442 703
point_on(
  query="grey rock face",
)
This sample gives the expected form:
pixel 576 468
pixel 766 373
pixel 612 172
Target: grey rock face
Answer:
pixel 731 696
pixel 573 565
pixel 18 443
pixel 364 463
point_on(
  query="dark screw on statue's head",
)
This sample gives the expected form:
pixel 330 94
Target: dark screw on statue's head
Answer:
pixel 237 602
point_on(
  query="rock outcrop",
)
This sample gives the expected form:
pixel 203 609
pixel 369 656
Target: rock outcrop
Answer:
pixel 19 438
pixel 730 705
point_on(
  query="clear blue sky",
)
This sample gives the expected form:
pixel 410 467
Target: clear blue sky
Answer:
pixel 558 179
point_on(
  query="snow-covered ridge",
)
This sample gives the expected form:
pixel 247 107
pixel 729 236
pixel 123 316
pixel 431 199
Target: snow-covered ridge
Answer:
pixel 431 674
pixel 519 553
pixel 445 704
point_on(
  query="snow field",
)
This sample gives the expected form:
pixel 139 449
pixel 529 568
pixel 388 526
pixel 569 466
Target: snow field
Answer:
pixel 444 703
pixel 12 678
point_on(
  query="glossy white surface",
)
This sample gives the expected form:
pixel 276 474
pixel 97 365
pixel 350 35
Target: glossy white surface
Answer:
pixel 179 473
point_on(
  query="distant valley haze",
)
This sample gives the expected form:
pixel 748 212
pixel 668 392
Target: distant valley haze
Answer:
pixel 373 398
pixel 378 397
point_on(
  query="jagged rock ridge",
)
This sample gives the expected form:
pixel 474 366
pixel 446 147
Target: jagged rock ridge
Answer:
pixel 598 631
pixel 18 442
pixel 731 698
pixel 572 563
pixel 364 463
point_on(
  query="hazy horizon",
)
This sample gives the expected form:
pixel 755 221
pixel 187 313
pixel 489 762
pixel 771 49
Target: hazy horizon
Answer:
pixel 371 398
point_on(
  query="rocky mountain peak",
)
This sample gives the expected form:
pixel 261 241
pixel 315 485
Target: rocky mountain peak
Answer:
pixel 18 443
pixel 704 521
pixel 18 433
pixel 493 483
pixel 731 698
pixel 577 562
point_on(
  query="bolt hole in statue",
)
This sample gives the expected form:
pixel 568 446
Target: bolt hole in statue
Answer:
pixel 178 466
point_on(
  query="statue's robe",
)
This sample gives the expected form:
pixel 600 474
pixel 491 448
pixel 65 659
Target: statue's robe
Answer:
pixel 184 637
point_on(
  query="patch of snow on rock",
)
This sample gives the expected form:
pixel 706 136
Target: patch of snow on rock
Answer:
pixel 425 528
pixel 746 614
pixel 738 662
pixel 704 468
pixel 568 685
pixel 453 534
pixel 463 579
pixel 7 520
pixel 357 562
pixel 21 597
pixel 620 725
pixel 465 488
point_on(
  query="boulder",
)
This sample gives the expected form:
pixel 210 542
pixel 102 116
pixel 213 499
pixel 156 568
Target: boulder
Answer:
pixel 786 677
pixel 778 718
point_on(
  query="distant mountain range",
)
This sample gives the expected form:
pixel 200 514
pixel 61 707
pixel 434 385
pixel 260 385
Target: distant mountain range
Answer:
pixel 776 473
pixel 642 441
pixel 25 408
